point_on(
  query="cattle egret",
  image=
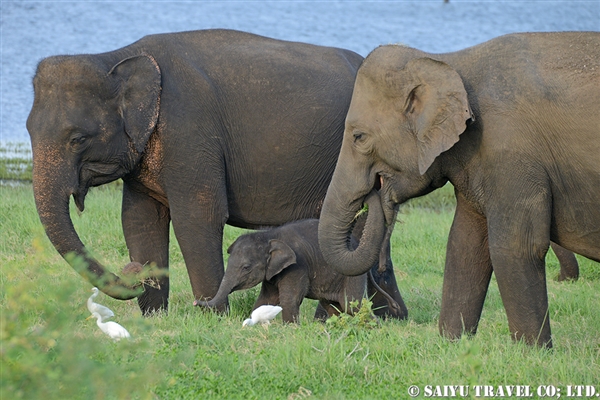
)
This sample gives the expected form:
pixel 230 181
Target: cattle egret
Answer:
pixel 104 311
pixel 111 328
pixel 262 315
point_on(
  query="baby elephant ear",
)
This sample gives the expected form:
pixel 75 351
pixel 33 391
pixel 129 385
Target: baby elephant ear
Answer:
pixel 139 96
pixel 436 105
pixel 281 256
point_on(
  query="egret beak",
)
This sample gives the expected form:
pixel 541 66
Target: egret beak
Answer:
pixel 90 317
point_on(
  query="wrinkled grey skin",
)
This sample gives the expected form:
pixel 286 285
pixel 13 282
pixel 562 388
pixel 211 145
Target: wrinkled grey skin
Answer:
pixel 569 267
pixel 205 128
pixel 288 263
pixel 514 125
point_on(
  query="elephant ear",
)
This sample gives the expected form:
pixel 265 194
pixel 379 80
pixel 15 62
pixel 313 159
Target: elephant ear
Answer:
pixel 436 106
pixel 139 81
pixel 281 256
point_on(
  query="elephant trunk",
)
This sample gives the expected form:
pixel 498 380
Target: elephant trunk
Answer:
pixel 335 229
pixel 52 190
pixel 221 299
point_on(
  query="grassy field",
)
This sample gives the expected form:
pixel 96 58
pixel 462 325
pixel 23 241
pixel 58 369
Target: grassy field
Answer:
pixel 15 162
pixel 49 350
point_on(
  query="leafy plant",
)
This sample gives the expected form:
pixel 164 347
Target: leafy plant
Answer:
pixel 362 318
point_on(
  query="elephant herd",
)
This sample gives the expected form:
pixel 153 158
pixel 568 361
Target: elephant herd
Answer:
pixel 215 127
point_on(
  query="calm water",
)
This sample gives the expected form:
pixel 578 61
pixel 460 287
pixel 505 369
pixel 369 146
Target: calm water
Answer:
pixel 32 30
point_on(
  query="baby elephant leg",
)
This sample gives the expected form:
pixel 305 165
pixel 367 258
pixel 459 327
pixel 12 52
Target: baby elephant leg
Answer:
pixel 293 286
pixel 326 309
pixel 269 295
pixel 321 313
pixel 291 310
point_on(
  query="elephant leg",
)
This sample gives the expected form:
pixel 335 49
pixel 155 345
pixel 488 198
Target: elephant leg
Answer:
pixel 326 309
pixel 524 294
pixel 293 285
pixel 467 273
pixel 146 229
pixel 321 312
pixel 269 295
pixel 569 268
pixel 330 308
pixel 198 222
pixel 290 309
pixel 518 247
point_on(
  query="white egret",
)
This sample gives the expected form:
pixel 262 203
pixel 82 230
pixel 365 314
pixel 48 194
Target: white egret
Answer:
pixel 262 315
pixel 111 328
pixel 104 311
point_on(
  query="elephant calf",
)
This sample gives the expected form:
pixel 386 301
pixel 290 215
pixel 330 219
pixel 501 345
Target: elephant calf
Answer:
pixel 288 262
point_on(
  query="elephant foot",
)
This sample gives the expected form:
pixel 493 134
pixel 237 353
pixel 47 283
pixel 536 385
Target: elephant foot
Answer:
pixel 569 267
pixel 321 313
pixel 153 301
pixel 568 272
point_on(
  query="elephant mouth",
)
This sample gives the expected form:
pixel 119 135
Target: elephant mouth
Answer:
pixel 396 187
pixel 79 198
pixel 383 185
pixel 94 174
pixel 378 185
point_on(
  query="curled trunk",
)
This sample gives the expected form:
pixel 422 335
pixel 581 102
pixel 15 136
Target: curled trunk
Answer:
pixel 335 229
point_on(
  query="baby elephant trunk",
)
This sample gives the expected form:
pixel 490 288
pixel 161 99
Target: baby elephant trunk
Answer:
pixel 219 302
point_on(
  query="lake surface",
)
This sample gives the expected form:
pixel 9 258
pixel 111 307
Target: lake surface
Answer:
pixel 33 30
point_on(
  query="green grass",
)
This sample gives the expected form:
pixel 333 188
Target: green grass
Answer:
pixel 49 350
pixel 15 162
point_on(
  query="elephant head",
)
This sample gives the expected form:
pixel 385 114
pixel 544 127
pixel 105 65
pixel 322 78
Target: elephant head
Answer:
pixel 402 117
pixel 253 258
pixel 90 121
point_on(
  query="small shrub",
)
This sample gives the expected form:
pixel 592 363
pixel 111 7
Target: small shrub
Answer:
pixel 362 319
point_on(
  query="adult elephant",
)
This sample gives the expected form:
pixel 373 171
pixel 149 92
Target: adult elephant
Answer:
pixel 513 124
pixel 205 128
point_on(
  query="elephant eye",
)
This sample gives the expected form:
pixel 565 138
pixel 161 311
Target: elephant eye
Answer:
pixel 362 142
pixel 358 136
pixel 78 140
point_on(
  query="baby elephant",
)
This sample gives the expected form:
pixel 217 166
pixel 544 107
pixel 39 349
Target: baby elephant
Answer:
pixel 288 262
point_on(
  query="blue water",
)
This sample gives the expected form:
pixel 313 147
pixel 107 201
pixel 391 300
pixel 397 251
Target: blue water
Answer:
pixel 32 30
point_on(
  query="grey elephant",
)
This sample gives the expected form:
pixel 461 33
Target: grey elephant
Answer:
pixel 513 124
pixel 205 128
pixel 290 266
